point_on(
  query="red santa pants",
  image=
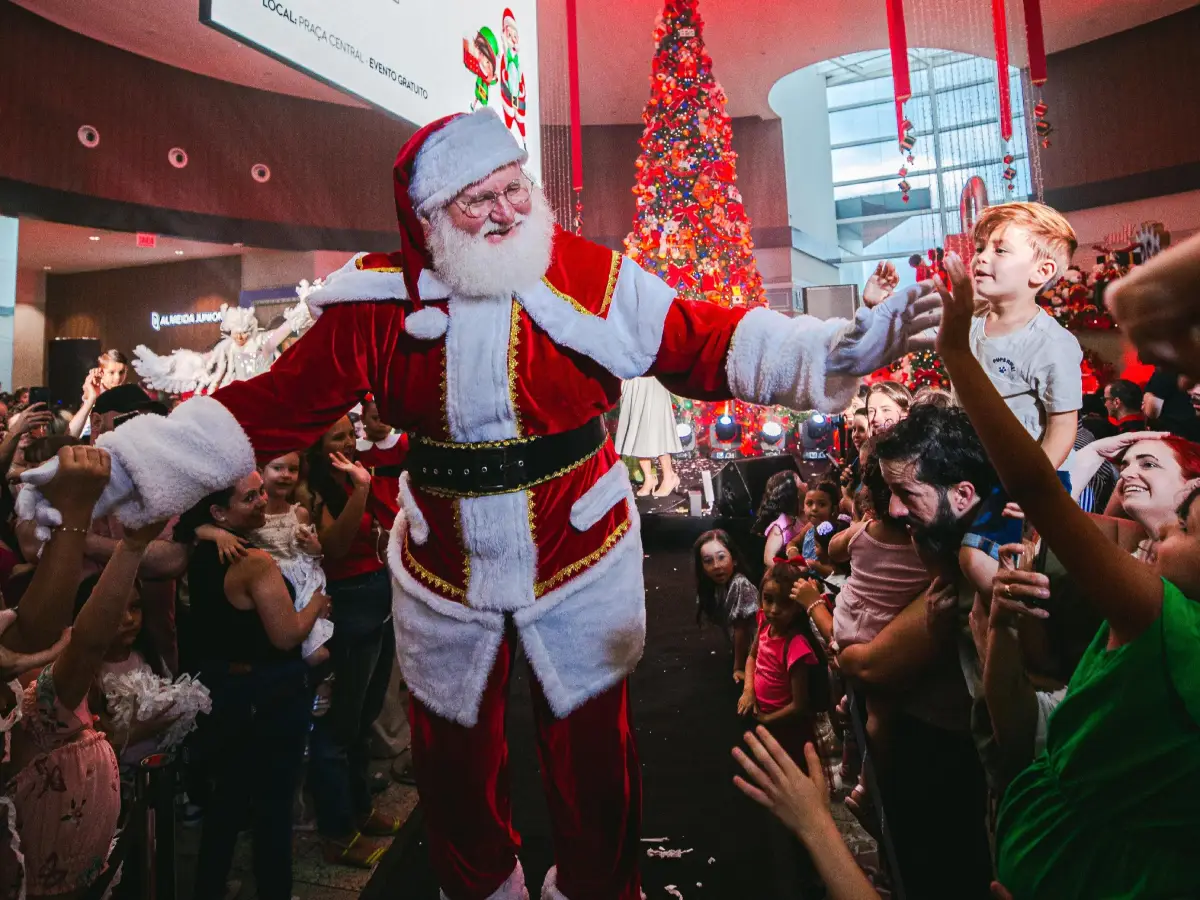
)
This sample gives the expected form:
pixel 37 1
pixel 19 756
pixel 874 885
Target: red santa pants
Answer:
pixel 591 777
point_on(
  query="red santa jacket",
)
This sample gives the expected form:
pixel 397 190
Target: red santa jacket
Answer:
pixel 562 559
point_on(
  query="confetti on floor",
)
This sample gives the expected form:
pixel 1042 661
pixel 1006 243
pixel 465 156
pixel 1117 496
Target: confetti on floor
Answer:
pixel 673 891
pixel 661 840
pixel 664 853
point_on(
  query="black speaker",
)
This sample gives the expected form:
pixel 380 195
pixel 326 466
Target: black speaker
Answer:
pixel 739 486
pixel 69 361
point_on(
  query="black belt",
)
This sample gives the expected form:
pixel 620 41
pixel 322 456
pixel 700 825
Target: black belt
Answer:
pixel 502 467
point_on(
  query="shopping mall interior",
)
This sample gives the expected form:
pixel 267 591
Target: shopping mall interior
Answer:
pixel 181 174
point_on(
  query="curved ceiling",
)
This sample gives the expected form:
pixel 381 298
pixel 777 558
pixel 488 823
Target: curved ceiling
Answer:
pixel 753 43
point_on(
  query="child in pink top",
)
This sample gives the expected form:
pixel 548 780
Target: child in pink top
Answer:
pixel 886 575
pixel 787 678
pixel 780 519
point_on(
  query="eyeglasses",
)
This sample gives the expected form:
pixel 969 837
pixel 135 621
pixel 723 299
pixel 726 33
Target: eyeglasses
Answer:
pixel 482 205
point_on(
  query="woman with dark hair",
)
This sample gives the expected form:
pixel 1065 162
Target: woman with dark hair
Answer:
pixel 247 636
pixel 779 518
pixel 362 650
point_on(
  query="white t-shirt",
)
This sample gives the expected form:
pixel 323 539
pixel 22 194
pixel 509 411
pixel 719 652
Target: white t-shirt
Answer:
pixel 1035 369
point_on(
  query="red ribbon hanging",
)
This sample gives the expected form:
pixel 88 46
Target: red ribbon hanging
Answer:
pixel 898 41
pixel 1036 41
pixel 1000 30
pixel 573 76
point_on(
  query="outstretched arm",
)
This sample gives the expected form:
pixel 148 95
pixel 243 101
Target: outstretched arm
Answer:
pixel 1126 592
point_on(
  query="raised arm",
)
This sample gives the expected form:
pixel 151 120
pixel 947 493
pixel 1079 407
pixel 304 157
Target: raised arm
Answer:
pixel 337 534
pixel 1126 592
pixel 91 393
pixel 98 622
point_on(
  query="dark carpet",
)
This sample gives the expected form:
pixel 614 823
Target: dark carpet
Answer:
pixel 684 704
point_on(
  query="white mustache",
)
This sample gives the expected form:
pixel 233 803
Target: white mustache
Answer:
pixel 490 227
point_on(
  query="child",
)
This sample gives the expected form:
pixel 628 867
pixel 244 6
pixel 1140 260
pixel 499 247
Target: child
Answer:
pixel 826 532
pixel 1125 738
pixel 779 514
pixel 787 685
pixel 1033 361
pixel 820 505
pixel 724 594
pixel 886 575
pixel 787 678
pixel 288 536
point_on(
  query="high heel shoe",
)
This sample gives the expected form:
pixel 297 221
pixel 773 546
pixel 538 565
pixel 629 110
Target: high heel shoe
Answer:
pixel 669 483
pixel 648 486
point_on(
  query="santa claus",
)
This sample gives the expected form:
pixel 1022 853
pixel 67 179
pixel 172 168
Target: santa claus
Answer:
pixel 498 341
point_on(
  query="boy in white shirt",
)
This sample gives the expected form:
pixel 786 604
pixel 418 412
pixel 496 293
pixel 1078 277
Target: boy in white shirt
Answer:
pixel 1031 359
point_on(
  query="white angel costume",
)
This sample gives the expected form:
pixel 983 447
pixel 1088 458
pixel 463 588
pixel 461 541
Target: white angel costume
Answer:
pixel 245 350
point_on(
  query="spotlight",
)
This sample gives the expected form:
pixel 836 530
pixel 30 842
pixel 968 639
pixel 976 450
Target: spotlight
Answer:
pixel 770 438
pixel 687 438
pixel 816 437
pixel 724 437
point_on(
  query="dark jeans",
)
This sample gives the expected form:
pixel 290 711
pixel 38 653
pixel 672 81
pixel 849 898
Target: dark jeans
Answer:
pixel 253 744
pixel 935 799
pixel 362 652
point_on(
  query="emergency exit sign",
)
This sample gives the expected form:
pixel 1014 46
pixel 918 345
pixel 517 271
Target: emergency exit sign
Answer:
pixel 149 241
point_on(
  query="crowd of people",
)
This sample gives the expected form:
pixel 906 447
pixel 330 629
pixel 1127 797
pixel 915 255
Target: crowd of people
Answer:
pixel 1006 604
pixel 996 584
pixel 272 594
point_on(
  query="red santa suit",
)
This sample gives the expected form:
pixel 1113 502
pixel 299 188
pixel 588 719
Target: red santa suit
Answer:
pixel 492 549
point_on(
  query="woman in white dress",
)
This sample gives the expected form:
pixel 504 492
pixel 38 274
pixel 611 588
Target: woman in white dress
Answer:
pixel 646 430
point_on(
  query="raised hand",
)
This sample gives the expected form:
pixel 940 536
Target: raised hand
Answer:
pixel 799 801
pixel 958 307
pixel 91 386
pixel 884 333
pixel 359 476
pixel 881 285
pixel 75 484
pixel 36 415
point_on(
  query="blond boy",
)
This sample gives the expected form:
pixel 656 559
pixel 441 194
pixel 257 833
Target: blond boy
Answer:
pixel 1031 359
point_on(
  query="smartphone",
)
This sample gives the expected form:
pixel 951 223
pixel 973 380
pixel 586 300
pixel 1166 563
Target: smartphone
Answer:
pixel 39 395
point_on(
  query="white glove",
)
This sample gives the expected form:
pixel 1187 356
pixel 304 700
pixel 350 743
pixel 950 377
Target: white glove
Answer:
pixel 33 506
pixel 886 332
pixel 299 317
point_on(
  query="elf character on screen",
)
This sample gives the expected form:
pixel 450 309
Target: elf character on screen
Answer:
pixel 479 56
pixel 512 81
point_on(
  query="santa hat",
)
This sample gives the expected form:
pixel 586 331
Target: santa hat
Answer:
pixel 508 17
pixel 434 166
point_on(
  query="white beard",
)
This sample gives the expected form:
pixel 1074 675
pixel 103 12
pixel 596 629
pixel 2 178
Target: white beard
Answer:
pixel 471 267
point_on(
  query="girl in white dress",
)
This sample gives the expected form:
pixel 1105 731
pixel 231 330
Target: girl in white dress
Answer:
pixel 646 430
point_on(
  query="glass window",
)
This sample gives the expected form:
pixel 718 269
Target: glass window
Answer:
pixel 859 91
pixel 862 123
pixel 873 197
pixel 963 146
pixel 878 160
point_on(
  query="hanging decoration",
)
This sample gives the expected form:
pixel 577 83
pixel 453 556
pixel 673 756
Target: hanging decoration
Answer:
pixel 902 83
pixel 576 118
pixel 1004 88
pixel 1036 42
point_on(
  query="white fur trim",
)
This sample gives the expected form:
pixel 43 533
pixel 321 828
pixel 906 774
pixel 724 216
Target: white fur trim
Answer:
pixel 478 404
pixel 427 324
pixel 387 443
pixel 627 339
pixel 496 538
pixel 175 462
pixel 350 284
pixel 464 151
pixel 610 489
pixel 418 527
pixel 777 360
pixel 445 650
pixel 587 635
pixel 550 889
pixel 512 889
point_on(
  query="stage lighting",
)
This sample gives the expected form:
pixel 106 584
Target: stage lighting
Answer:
pixel 687 438
pixel 816 437
pixel 770 438
pixel 724 438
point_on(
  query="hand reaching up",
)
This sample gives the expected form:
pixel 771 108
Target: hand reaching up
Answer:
pixel 359 476
pixel 36 415
pixel 958 307
pixel 74 485
pixel 799 801
pixel 881 285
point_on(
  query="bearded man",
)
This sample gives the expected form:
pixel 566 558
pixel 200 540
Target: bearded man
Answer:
pixel 498 341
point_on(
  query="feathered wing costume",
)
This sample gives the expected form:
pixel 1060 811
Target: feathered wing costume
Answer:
pixel 192 372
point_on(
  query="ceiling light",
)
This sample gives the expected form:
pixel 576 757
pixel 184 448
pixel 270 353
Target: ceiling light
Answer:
pixel 179 253
pixel 94 237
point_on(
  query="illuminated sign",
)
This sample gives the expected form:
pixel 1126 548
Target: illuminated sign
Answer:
pixel 159 321
pixel 416 59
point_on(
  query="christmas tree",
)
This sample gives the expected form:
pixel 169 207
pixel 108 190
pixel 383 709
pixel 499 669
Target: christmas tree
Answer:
pixel 691 227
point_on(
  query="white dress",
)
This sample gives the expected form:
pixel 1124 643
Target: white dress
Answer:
pixel 646 425
pixel 278 538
